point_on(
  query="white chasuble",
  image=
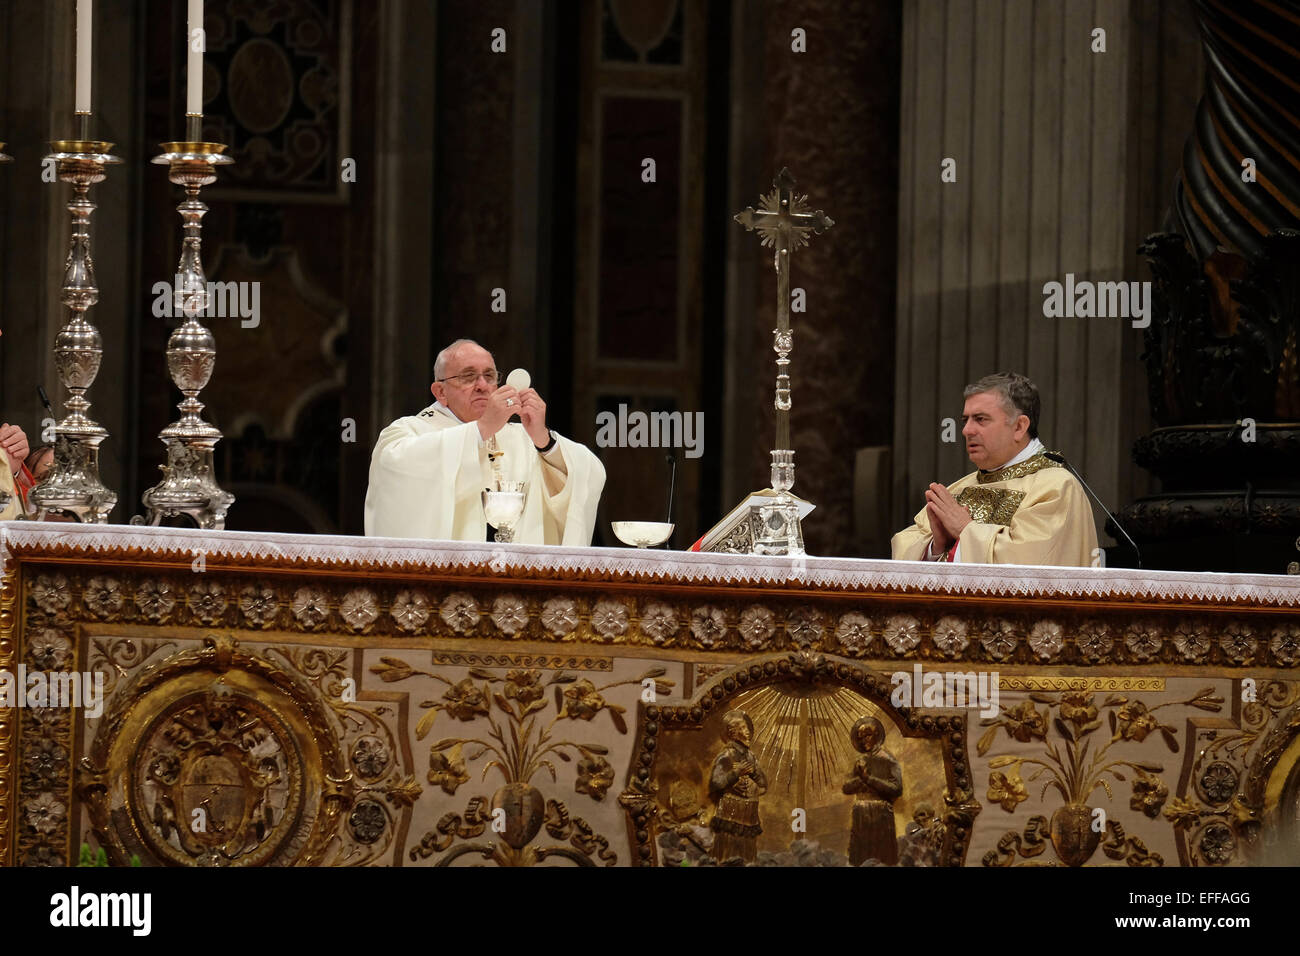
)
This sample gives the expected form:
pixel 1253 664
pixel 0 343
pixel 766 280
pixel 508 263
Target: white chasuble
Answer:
pixel 1030 512
pixel 428 472
pixel 15 506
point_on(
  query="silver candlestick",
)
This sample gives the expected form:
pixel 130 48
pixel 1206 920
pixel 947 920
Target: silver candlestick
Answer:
pixel 73 485
pixel 4 495
pixel 189 485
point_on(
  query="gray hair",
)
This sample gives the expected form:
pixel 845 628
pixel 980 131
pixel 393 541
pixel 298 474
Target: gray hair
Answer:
pixel 1019 396
pixel 440 363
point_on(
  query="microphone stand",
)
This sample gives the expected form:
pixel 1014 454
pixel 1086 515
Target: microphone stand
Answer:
pixel 1060 460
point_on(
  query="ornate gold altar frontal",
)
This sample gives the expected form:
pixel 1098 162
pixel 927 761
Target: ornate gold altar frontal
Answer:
pixel 282 700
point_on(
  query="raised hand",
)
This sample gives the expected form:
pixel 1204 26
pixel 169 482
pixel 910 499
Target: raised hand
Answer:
pixel 532 412
pixel 501 404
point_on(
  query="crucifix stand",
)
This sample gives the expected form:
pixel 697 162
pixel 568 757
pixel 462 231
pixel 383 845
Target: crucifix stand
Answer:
pixel 772 525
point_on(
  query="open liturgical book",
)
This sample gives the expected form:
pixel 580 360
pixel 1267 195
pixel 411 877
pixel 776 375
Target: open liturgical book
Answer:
pixel 736 533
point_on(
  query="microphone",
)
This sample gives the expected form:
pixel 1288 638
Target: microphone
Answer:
pixel 1060 460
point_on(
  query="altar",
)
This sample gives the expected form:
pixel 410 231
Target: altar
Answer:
pixel 268 699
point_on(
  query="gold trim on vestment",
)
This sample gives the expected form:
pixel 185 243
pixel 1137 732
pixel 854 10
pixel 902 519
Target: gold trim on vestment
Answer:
pixel 1019 470
pixel 990 505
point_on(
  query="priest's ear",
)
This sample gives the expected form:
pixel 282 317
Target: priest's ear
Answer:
pixel 439 391
pixel 1021 428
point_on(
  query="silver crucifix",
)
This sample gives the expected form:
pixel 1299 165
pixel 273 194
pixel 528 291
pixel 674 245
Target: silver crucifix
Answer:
pixel 784 224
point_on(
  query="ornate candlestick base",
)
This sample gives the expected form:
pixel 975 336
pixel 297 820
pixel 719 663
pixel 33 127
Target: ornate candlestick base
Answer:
pixel 776 526
pixel 73 484
pixel 189 485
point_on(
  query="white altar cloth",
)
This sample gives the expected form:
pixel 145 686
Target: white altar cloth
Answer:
pixel 684 567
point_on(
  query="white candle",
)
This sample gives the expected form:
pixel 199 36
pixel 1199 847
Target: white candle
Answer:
pixel 83 55
pixel 195 42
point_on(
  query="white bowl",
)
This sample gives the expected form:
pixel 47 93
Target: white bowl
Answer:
pixel 642 534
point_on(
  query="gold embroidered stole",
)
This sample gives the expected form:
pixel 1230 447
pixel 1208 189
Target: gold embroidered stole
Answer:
pixel 998 505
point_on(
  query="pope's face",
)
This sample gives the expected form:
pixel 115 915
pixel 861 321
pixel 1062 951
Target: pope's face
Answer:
pixel 466 400
pixel 992 436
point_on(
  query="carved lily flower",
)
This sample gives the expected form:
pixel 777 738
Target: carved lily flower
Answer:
pixel 1135 721
pixel 582 701
pixel 524 686
pixel 447 770
pixel 1006 790
pixel 1077 708
pixel 1025 722
pixel 465 701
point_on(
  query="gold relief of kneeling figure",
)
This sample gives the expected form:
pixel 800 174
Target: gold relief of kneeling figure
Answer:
pixel 876 781
pixel 736 783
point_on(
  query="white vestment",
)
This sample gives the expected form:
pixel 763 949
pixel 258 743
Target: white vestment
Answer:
pixel 15 506
pixel 428 472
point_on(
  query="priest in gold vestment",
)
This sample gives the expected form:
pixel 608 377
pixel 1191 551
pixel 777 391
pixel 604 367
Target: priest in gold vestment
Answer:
pixel 1020 507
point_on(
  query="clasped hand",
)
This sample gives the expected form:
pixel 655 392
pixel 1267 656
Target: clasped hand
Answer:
pixel 947 517
pixel 14 443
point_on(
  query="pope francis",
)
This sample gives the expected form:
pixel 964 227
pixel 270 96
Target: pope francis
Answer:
pixel 427 470
pixel 1020 507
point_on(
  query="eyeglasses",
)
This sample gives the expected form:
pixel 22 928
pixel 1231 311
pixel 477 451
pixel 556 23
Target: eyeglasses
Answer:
pixel 467 379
